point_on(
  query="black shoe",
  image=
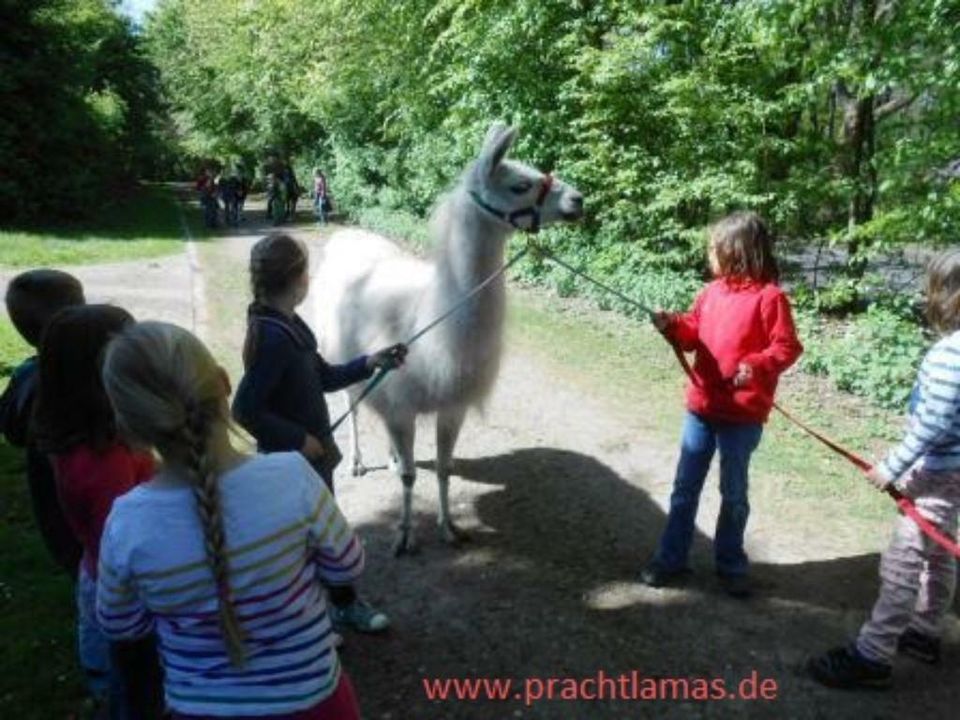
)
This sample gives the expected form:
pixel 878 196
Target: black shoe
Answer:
pixel 738 586
pixel 919 646
pixel 845 668
pixel 656 576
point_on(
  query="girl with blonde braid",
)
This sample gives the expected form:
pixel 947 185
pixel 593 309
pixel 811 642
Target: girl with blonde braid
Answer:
pixel 221 554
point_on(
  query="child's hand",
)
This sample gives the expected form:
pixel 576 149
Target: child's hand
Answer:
pixel 743 375
pixel 312 448
pixel 388 358
pixel 660 320
pixel 879 479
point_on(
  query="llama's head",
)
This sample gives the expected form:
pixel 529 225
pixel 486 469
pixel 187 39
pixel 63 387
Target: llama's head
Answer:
pixel 517 194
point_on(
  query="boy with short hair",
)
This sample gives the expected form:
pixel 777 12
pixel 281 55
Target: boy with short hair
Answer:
pixel 32 299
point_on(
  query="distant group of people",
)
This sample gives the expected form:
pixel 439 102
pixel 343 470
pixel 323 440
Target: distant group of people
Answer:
pixel 282 189
pixel 227 188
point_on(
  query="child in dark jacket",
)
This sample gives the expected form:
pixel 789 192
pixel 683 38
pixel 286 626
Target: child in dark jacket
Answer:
pixel 280 399
pixel 742 332
pixel 32 299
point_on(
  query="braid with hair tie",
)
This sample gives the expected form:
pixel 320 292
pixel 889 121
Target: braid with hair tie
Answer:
pixel 207 493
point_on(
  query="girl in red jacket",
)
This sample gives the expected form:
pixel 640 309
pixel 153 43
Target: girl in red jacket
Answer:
pixel 742 332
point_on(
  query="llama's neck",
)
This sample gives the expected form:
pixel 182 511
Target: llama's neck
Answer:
pixel 470 245
pixel 470 248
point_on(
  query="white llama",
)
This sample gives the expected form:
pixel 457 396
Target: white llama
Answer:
pixel 370 295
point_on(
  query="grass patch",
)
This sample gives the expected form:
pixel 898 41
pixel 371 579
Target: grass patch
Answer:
pixel 13 349
pixel 39 676
pixel 147 225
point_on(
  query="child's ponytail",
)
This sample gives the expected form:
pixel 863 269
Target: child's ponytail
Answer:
pixel 276 262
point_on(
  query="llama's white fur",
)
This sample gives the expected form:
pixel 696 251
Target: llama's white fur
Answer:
pixel 370 294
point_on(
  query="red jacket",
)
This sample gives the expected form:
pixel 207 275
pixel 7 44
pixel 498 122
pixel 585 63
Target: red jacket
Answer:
pixel 735 322
pixel 88 482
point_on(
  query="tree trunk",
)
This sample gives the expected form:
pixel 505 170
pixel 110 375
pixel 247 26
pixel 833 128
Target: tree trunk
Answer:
pixel 858 138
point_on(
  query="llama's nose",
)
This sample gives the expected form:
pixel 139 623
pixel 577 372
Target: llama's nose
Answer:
pixel 575 201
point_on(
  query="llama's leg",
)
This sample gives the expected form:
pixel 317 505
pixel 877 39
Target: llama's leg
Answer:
pixel 357 468
pixel 401 431
pixel 449 423
pixel 393 460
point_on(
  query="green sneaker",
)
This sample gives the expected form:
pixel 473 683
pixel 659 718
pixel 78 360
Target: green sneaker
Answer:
pixel 359 616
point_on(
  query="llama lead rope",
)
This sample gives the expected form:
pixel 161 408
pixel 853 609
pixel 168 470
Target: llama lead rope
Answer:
pixel 382 373
pixel 540 251
pixel 904 503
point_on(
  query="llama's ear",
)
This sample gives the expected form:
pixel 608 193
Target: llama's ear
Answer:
pixel 498 141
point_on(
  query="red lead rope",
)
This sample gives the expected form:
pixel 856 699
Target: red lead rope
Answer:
pixel 906 505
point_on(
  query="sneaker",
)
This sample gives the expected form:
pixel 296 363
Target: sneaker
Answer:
pixel 846 668
pixel 656 576
pixel 359 616
pixel 919 646
pixel 738 586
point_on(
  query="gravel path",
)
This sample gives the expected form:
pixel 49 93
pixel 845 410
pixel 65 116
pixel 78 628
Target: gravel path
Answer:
pixel 158 288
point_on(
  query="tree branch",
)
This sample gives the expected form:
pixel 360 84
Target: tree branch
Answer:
pixel 892 106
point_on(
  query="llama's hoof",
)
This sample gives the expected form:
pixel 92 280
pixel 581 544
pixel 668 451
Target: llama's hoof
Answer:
pixel 452 534
pixel 405 544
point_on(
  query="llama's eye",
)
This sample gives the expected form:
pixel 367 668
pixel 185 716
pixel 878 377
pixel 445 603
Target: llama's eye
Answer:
pixel 520 188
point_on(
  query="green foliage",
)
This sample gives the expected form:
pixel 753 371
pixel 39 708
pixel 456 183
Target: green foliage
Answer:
pixel 402 226
pixel 876 355
pixel 13 350
pixel 79 108
pixel 666 115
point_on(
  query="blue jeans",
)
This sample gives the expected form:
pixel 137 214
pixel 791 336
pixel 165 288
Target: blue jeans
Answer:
pixel 701 438
pixel 103 679
pixel 320 209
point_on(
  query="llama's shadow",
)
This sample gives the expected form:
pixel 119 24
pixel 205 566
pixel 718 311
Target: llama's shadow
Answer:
pixel 622 521
pixel 548 588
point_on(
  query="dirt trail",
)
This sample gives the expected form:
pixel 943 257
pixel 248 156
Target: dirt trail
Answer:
pixel 155 288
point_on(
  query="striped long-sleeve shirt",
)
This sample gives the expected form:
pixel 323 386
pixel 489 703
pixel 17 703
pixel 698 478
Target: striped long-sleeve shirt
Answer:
pixel 933 436
pixel 284 534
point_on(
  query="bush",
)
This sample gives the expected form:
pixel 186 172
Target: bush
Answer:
pixel 876 355
pixel 395 224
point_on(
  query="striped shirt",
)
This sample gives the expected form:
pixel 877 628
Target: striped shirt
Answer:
pixel 284 535
pixel 933 435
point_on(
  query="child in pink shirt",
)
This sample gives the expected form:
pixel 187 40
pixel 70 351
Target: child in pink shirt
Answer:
pixel 74 425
